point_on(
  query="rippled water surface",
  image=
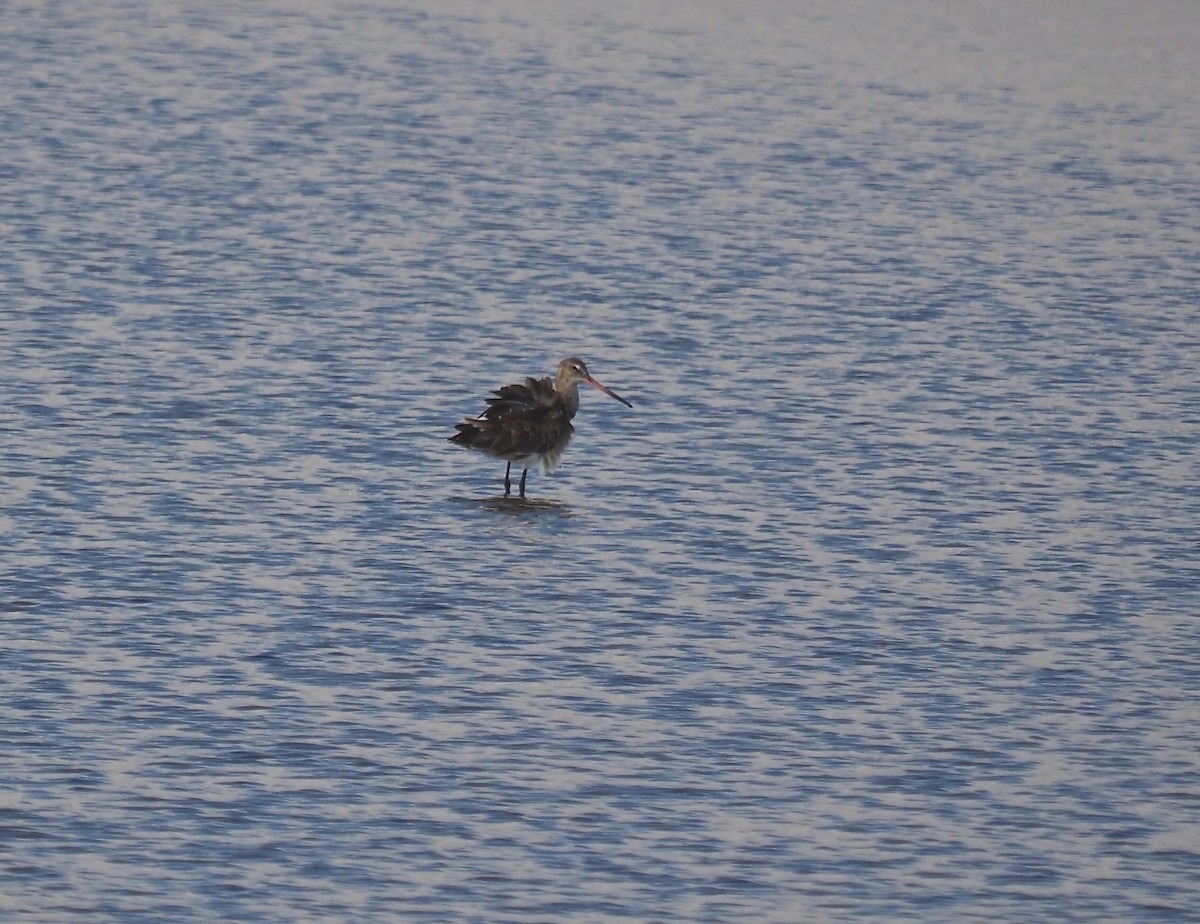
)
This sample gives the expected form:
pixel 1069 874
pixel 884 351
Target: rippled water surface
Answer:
pixel 880 604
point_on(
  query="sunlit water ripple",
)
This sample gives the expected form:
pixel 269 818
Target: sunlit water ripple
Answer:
pixel 880 603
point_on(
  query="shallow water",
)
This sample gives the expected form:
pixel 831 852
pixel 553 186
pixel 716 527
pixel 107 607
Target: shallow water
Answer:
pixel 880 603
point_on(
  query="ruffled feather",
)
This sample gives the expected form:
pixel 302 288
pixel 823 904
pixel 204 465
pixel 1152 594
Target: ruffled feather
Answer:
pixel 523 422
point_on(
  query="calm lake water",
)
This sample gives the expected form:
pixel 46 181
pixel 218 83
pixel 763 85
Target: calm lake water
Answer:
pixel 882 603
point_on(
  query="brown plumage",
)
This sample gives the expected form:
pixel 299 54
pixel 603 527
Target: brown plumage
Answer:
pixel 530 422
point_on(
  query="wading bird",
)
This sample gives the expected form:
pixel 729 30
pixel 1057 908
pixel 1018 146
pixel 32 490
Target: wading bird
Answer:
pixel 530 423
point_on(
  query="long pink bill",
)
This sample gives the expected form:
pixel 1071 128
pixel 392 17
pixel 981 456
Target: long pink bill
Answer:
pixel 608 391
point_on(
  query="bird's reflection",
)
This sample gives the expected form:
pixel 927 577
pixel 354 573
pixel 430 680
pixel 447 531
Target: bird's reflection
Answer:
pixel 518 506
pixel 523 506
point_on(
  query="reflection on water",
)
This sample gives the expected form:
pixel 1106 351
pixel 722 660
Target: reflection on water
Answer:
pixel 516 506
pixel 882 606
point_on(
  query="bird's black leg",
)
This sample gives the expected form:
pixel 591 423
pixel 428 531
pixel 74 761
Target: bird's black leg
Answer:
pixel 507 483
pixel 523 474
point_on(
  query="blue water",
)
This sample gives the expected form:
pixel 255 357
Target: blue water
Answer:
pixel 881 604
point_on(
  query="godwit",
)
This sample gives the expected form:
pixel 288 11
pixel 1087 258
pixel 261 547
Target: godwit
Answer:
pixel 530 423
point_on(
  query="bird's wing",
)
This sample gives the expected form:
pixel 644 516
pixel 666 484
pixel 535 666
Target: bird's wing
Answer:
pixel 523 420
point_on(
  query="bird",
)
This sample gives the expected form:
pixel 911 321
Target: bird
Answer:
pixel 530 422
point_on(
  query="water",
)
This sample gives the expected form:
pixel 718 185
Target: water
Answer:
pixel 881 604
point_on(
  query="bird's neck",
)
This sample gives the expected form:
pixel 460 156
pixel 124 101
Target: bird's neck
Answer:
pixel 570 399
